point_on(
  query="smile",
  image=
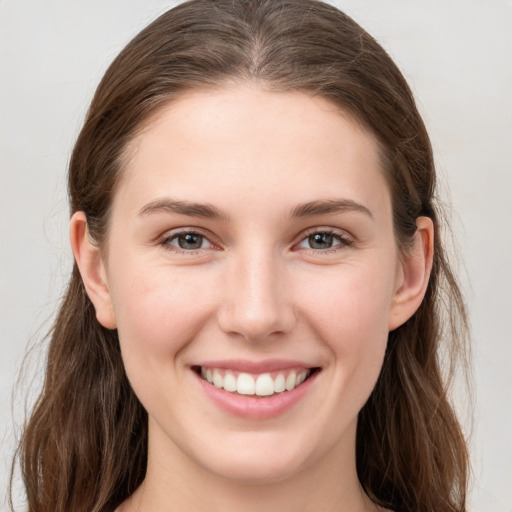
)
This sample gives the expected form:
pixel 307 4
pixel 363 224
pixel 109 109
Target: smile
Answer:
pixel 261 385
pixel 256 390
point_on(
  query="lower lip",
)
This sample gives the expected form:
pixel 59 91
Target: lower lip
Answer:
pixel 256 408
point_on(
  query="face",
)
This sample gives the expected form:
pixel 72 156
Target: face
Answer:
pixel 252 275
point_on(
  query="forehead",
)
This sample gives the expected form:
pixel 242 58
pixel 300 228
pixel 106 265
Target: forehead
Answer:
pixel 248 141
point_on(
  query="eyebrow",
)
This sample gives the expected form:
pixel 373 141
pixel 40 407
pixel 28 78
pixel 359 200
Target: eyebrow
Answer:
pixel 208 211
pixel 203 210
pixel 333 206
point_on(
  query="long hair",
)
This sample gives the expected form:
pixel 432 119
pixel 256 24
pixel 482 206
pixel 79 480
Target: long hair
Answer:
pixel 85 446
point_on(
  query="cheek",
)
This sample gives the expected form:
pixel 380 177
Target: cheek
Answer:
pixel 159 310
pixel 353 299
pixel 350 312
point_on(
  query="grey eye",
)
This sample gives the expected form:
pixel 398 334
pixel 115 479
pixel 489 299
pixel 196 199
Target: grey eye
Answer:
pixel 324 240
pixel 188 241
pixel 320 241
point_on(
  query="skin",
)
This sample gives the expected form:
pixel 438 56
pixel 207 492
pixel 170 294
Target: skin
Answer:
pixel 255 290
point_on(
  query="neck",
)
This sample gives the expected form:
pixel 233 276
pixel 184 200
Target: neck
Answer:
pixel 175 482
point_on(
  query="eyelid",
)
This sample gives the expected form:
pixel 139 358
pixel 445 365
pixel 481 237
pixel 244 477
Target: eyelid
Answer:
pixel 174 233
pixel 346 239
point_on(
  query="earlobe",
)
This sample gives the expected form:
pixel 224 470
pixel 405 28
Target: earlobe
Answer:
pixel 414 274
pixel 92 269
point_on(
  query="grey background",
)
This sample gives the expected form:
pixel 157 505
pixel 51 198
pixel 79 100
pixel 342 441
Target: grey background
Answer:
pixel 455 53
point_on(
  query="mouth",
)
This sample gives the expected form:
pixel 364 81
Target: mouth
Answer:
pixel 258 385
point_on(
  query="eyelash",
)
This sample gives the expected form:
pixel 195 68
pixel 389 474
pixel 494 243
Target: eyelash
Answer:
pixel 165 242
pixel 343 241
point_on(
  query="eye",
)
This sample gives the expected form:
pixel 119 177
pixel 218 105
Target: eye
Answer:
pixel 187 241
pixel 325 240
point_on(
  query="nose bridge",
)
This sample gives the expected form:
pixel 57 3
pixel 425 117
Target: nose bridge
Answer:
pixel 257 303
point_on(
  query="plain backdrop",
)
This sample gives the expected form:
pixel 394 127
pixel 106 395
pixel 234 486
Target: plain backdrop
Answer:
pixel 457 56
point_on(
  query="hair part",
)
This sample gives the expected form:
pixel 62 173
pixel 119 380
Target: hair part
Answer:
pixel 85 445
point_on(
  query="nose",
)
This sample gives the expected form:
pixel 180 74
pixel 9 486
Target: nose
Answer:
pixel 257 303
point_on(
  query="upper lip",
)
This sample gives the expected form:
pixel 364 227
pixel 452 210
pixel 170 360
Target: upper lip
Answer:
pixel 255 367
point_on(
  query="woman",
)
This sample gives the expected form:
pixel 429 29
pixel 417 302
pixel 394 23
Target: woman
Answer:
pixel 253 321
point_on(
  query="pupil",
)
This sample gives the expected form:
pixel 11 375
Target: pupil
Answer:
pixel 190 241
pixel 320 241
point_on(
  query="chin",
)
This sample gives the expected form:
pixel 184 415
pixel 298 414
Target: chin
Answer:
pixel 259 461
pixel 257 472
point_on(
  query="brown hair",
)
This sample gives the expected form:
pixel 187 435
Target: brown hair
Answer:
pixel 85 445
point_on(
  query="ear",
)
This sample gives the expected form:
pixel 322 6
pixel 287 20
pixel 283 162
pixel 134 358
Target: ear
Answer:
pixel 413 275
pixel 92 269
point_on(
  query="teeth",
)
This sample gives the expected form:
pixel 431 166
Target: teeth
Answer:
pixel 218 381
pixel 300 378
pixel 291 381
pixel 264 385
pixel 245 384
pixel 279 384
pixel 229 382
pixel 260 385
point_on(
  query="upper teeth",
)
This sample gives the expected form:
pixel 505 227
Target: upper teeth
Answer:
pixel 263 384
